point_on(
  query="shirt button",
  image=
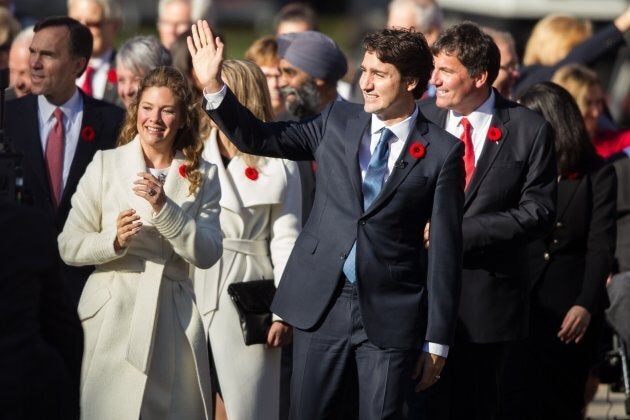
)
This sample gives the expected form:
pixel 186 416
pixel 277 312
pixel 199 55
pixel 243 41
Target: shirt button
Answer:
pixel 559 225
pixel 555 241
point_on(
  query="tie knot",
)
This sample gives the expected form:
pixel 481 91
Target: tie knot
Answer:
pixel 89 71
pixel 465 123
pixel 386 133
pixel 58 113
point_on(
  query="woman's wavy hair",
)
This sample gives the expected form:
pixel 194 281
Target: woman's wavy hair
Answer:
pixel 187 138
pixel 249 85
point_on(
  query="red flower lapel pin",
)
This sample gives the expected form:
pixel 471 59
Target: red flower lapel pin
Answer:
pixel 112 77
pixel 494 134
pixel 183 169
pixel 88 133
pixel 251 173
pixel 417 150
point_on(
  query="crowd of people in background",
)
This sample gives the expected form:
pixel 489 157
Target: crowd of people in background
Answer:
pixel 446 223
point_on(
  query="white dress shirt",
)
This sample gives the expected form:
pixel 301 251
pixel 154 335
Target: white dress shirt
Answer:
pixel 479 119
pixel 101 66
pixel 369 140
pixel 72 118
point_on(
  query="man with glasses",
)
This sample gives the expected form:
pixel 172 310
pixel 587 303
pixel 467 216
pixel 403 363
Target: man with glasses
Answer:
pixel 104 19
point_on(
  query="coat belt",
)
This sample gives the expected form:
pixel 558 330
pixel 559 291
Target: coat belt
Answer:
pixel 247 246
pixel 144 316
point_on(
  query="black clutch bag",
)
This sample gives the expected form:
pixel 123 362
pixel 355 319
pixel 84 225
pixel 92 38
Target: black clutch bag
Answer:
pixel 253 301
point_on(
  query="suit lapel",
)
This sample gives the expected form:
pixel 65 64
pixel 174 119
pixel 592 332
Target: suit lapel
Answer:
pixel 357 124
pixel 490 151
pixel 404 164
pixel 566 192
pixel 91 123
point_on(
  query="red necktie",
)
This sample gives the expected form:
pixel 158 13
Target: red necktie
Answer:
pixel 54 156
pixel 87 82
pixel 469 151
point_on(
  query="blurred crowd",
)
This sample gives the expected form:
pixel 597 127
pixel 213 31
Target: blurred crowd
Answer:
pixel 137 211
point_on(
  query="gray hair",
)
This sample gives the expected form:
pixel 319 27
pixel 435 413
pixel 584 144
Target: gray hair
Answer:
pixel 428 13
pixel 163 3
pixel 112 9
pixel 142 53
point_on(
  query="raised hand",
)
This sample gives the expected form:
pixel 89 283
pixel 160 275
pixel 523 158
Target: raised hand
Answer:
pixel 207 56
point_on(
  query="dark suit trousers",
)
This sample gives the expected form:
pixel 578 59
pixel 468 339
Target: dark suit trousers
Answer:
pixel 469 385
pixel 335 361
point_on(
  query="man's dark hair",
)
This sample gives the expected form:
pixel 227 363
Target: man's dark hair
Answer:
pixel 405 49
pixel 80 35
pixel 473 48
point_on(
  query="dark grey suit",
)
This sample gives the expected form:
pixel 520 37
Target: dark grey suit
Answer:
pixel 509 202
pixel 103 120
pixel 402 300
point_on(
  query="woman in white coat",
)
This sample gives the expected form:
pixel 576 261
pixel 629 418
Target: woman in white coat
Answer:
pixel 142 214
pixel 260 220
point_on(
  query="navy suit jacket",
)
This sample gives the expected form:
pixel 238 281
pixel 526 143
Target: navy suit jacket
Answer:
pixel 509 202
pixel 404 299
pixel 22 128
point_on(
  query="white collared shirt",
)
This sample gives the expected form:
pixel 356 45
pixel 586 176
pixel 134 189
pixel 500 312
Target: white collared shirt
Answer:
pixel 480 120
pixel 72 118
pixel 371 136
pixel 101 66
pixel 368 144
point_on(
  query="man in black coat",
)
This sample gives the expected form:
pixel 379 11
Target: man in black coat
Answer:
pixel 509 200
pixel 60 50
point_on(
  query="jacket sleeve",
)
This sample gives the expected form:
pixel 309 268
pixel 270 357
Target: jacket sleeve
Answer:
pixel 600 246
pixel 197 239
pixel 445 252
pixel 84 240
pixel 534 215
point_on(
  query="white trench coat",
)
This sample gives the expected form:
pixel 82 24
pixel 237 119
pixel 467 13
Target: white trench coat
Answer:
pixel 260 221
pixel 145 349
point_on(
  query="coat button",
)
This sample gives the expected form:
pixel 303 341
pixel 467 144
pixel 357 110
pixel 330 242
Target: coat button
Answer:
pixel 342 256
pixel 559 225
pixel 555 241
pixel 546 256
pixel 362 222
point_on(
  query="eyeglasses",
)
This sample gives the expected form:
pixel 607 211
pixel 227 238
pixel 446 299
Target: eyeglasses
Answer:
pixel 96 24
pixel 510 67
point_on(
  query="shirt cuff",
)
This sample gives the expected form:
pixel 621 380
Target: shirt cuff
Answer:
pixel 435 348
pixel 213 100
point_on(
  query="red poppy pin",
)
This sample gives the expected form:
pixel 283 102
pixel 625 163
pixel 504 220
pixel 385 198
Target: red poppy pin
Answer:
pixel 494 134
pixel 417 150
pixel 88 133
pixel 112 77
pixel 251 173
pixel 182 170
pixel 573 175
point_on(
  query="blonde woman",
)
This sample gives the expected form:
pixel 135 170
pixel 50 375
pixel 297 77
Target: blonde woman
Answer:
pixel 559 39
pixel 143 213
pixel 587 90
pixel 260 221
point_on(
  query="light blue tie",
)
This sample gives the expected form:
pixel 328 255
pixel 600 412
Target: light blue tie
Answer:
pixel 372 183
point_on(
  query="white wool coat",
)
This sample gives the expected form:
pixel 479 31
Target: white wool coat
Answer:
pixel 145 348
pixel 260 221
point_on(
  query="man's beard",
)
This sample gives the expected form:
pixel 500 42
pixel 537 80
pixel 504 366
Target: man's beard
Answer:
pixel 305 101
